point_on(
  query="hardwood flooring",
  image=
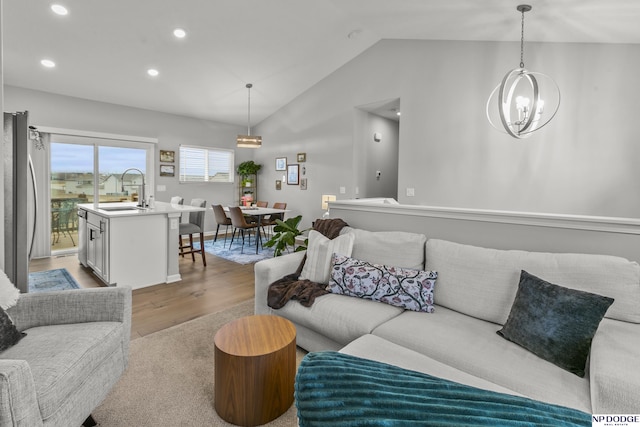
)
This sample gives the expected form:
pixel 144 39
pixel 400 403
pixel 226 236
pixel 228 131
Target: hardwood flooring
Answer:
pixel 201 291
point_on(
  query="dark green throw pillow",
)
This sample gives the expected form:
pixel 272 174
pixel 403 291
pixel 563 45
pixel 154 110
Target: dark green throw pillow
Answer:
pixel 554 322
pixel 9 334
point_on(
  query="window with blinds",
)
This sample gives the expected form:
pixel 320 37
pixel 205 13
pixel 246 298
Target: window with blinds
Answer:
pixel 201 164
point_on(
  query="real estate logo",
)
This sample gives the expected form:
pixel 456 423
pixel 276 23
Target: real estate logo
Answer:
pixel 615 420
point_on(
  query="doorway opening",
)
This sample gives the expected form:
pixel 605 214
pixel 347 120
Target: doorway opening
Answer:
pixel 377 146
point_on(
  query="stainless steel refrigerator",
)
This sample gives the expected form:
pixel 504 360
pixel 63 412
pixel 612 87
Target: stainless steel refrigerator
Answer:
pixel 21 201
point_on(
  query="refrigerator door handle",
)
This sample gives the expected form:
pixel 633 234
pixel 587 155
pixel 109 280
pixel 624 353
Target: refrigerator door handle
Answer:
pixel 35 206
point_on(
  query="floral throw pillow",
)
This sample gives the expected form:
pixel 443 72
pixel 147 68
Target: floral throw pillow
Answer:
pixel 402 287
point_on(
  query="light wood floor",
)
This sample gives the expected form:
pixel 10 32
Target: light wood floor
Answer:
pixel 201 291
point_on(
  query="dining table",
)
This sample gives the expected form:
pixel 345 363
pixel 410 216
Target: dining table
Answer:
pixel 259 213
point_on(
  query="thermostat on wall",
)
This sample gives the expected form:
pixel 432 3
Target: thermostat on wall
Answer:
pixel 377 137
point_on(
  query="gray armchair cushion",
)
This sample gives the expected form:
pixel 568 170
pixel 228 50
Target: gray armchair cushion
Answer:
pixel 76 349
pixel 61 357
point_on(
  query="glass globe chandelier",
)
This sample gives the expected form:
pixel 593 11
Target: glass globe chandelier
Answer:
pixel 525 100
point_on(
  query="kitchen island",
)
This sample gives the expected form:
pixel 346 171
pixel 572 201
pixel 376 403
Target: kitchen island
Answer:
pixel 129 246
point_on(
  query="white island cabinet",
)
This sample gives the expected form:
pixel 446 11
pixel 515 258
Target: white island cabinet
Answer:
pixel 128 246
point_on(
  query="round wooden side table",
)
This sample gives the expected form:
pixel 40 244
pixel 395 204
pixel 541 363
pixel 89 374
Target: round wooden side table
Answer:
pixel 255 368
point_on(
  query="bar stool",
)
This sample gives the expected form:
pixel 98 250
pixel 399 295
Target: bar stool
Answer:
pixel 195 225
pixel 177 200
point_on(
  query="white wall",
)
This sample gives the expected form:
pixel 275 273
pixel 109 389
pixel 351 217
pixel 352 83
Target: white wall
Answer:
pixel 51 110
pixel 583 162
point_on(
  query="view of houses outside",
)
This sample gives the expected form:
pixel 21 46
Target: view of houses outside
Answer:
pixel 72 182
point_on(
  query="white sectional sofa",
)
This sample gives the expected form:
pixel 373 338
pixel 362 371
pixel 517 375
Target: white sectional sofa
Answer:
pixel 474 293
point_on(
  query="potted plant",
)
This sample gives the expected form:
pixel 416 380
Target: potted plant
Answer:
pixel 285 236
pixel 245 169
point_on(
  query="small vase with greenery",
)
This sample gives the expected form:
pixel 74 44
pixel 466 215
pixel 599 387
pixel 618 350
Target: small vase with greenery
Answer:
pixel 285 233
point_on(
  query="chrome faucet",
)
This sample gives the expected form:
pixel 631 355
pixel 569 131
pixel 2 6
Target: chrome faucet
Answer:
pixel 142 203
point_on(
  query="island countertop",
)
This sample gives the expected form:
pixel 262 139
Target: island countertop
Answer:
pixel 112 210
pixel 128 246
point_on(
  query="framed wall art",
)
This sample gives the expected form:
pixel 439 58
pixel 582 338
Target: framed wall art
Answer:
pixel 167 156
pixel 167 170
pixel 303 183
pixel 281 163
pixel 278 184
pixel 293 172
pixel 302 157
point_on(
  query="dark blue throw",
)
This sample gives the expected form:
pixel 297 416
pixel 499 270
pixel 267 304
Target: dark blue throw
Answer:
pixel 335 389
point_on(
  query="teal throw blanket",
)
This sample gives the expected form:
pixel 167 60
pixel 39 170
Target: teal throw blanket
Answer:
pixel 335 389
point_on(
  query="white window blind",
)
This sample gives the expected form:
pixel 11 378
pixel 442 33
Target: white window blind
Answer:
pixel 201 164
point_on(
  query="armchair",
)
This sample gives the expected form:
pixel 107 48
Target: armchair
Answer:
pixel 76 349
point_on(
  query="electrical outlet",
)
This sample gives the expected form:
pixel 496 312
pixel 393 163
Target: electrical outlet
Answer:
pixel 343 190
pixel 161 188
pixel 411 192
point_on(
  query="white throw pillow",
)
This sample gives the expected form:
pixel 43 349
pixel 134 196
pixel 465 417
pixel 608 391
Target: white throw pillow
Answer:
pixel 397 248
pixel 317 267
pixel 8 293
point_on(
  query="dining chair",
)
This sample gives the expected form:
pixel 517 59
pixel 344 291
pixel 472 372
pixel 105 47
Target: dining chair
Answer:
pixel 62 221
pixel 259 204
pixel 194 226
pixel 270 220
pixel 239 223
pixel 221 219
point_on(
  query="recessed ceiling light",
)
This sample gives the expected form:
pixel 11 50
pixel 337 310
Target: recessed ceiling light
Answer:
pixel 48 63
pixel 179 33
pixel 59 9
pixel 153 72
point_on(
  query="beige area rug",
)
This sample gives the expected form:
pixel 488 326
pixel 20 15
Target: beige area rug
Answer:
pixel 169 381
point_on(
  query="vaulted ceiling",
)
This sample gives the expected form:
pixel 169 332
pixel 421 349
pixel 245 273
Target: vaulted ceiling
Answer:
pixel 102 49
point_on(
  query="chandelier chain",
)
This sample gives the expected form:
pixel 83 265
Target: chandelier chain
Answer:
pixel 522 41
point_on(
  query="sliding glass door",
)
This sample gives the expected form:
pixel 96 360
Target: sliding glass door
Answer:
pixel 71 183
pixel 87 170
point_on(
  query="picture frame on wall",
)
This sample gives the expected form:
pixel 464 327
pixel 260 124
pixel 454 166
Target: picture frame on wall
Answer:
pixel 302 157
pixel 281 163
pixel 278 184
pixel 167 156
pixel 293 174
pixel 303 183
pixel 167 170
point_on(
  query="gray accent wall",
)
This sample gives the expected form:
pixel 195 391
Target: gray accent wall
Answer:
pixel 583 163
